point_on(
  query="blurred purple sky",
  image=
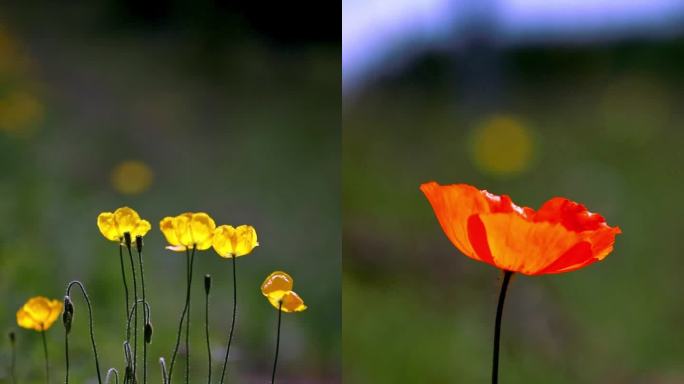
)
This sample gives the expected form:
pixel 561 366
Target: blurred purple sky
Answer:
pixel 378 32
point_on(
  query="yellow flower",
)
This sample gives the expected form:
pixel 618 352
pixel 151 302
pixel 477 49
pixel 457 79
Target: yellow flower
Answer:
pixel 188 230
pixel 277 288
pixel 39 313
pixel 114 225
pixel 234 242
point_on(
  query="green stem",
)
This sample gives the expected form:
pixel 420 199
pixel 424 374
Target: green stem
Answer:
pixel 13 358
pixel 275 361
pixel 206 328
pixel 146 310
pixel 135 315
pixel 232 323
pixel 497 326
pixel 187 321
pixel 189 260
pixel 125 284
pixel 47 362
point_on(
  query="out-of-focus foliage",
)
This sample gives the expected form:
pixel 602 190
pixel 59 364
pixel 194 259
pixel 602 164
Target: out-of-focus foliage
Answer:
pixel 218 118
pixel 600 124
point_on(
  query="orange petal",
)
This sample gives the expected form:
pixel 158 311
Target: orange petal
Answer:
pixel 453 205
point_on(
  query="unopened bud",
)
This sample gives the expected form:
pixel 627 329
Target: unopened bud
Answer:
pixel 127 239
pixel 207 283
pixel 68 314
pixel 138 243
pixel 148 333
pixel 12 337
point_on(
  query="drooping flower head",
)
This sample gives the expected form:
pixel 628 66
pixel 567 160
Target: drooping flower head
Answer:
pixel 277 288
pixel 561 236
pixel 234 242
pixel 124 219
pixel 39 313
pixel 188 230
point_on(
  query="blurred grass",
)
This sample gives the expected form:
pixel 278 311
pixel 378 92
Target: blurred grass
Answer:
pixel 248 133
pixel 605 121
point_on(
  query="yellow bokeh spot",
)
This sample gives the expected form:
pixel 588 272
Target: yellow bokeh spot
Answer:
pixel 132 177
pixel 502 146
pixel 20 112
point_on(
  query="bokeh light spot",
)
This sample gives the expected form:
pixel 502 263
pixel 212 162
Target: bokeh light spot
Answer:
pixel 20 112
pixel 502 146
pixel 131 177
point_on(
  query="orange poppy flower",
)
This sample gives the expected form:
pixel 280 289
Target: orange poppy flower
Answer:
pixel 561 236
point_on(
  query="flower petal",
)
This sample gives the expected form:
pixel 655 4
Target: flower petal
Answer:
pixel 291 302
pixel 141 229
pixel 223 241
pixel 276 285
pixel 453 205
pixel 126 219
pixel 246 240
pixel 167 228
pixel 108 227
pixel 202 228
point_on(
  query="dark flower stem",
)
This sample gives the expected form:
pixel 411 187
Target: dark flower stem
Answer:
pixel 146 310
pixel 125 284
pixel 112 371
pixel 92 332
pixel 47 361
pixel 275 361
pixel 232 323
pixel 13 358
pixel 189 262
pixel 135 313
pixel 206 330
pixel 187 320
pixel 497 326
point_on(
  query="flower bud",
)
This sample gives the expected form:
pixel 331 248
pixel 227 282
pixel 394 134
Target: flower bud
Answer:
pixel 127 239
pixel 148 333
pixel 207 283
pixel 12 337
pixel 68 314
pixel 139 243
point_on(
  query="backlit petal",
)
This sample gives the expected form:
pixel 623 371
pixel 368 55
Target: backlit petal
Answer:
pixel 181 225
pixel 291 302
pixel 169 231
pixel 276 285
pixel 108 227
pixel 223 241
pixel 141 229
pixel 126 219
pixel 202 227
pixel 246 240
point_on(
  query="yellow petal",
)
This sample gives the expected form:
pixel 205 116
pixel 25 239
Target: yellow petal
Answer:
pixel 25 320
pixel 141 229
pixel 202 228
pixel 291 302
pixel 169 231
pixel 223 241
pixel 107 226
pixel 246 240
pixel 276 285
pixel 181 225
pixel 126 219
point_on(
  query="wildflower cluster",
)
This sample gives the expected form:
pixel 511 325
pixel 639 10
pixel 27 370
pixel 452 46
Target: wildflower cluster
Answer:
pixel 187 233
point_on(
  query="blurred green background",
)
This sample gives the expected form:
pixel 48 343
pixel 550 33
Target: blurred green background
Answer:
pixel 596 120
pixel 170 107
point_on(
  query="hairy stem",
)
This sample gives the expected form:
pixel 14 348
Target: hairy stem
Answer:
pixel 47 361
pixel 92 332
pixel 189 262
pixel 146 310
pixel 135 314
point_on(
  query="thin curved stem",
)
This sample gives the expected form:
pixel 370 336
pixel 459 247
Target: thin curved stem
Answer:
pixel 189 262
pixel 125 284
pixel 66 356
pixel 135 311
pixel 47 361
pixel 92 332
pixel 232 323
pixel 146 311
pixel 497 326
pixel 206 329
pixel 162 364
pixel 275 361
pixel 109 374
